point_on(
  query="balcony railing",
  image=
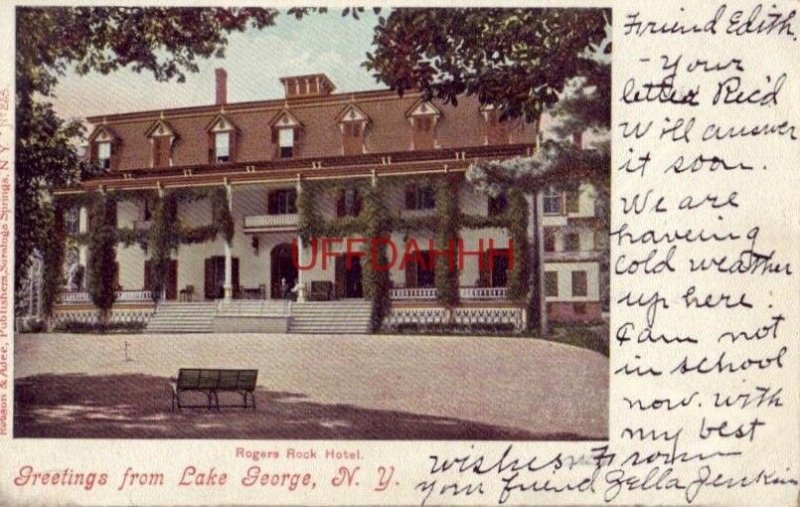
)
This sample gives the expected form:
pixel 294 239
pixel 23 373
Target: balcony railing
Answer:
pixel 269 222
pixel 123 296
pixel 465 293
pixel 482 292
pixel 413 293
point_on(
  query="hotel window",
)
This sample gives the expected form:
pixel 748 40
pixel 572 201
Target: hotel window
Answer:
pixel 222 147
pixel 286 142
pixel 551 283
pixel 419 270
pixel 72 220
pixel 579 284
pixel 552 202
pixel 572 242
pixel 104 154
pixel 349 203
pixel 420 197
pixel 282 202
pixel 498 205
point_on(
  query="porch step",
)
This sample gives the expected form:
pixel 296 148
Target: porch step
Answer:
pixel 253 308
pixel 183 318
pixel 331 317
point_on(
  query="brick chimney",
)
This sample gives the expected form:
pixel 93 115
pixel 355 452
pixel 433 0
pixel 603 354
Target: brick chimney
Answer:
pixel 313 85
pixel 222 87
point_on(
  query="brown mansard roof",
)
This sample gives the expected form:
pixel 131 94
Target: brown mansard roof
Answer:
pixel 377 164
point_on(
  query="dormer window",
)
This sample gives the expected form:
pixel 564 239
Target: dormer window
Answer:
pixel 286 142
pixel 352 123
pixel 221 140
pixel 162 139
pixel 286 130
pixel 423 117
pixel 104 148
pixel 222 147
pixel 104 154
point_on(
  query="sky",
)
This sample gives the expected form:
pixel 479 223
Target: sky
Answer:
pixel 254 60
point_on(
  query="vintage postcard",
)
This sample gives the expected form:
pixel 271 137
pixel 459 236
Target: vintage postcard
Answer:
pixel 512 254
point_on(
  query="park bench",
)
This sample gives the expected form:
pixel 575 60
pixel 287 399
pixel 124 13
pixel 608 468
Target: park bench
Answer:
pixel 211 382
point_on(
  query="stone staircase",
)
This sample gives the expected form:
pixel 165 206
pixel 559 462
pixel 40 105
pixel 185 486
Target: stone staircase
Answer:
pixel 252 308
pixel 174 317
pixel 331 317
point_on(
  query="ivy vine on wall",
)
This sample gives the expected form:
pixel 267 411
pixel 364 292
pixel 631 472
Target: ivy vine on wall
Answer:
pixel 164 236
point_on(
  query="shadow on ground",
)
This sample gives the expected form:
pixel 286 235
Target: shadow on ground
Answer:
pixel 138 406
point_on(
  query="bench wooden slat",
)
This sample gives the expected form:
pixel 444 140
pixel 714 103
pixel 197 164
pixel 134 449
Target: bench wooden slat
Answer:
pixel 214 380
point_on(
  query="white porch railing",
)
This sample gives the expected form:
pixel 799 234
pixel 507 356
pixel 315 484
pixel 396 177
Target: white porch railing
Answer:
pixel 270 221
pixel 413 293
pixel 123 296
pixel 467 293
pixel 482 292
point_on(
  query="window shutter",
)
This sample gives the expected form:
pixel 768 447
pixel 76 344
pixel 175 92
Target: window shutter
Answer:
pixel 274 135
pixel 297 140
pixel 357 202
pixel 93 152
pixel 341 202
pixel 212 155
pixel 411 196
pixel 272 203
pixel 115 148
pixel 233 147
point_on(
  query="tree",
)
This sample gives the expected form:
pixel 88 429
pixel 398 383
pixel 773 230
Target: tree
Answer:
pixel 520 60
pixel 164 41
pixel 517 59
pixel 103 269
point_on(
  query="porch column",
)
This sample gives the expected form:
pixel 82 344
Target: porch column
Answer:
pixel 228 286
pixel 301 285
pixel 538 234
pixel 83 249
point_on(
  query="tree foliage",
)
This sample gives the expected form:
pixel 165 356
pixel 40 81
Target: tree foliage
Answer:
pixel 103 268
pixel 165 41
pixel 517 59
